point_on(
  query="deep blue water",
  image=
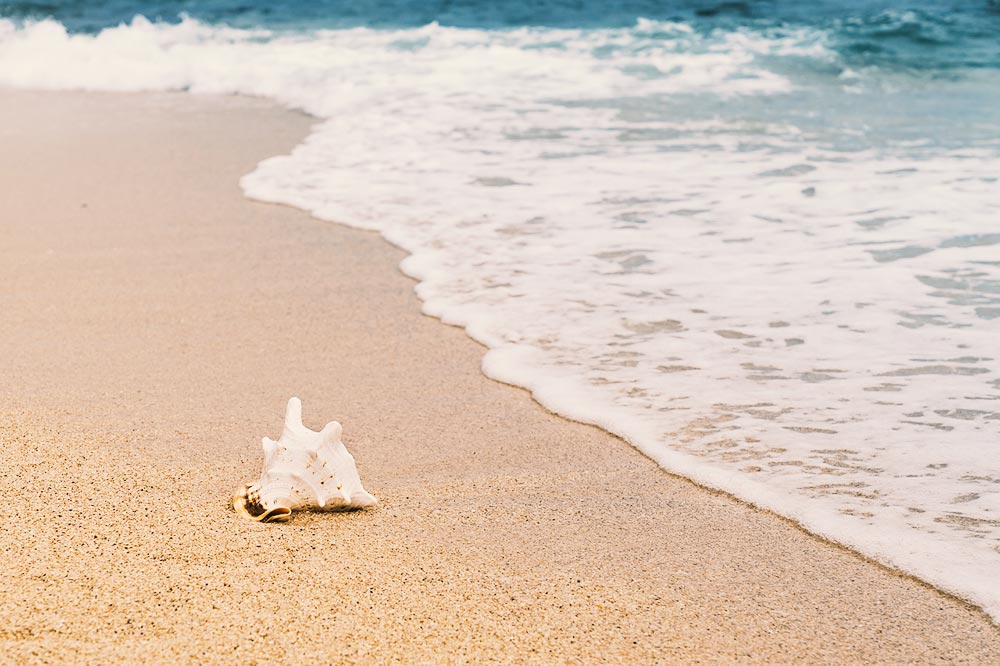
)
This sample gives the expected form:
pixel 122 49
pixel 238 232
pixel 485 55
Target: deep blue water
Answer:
pixel 917 34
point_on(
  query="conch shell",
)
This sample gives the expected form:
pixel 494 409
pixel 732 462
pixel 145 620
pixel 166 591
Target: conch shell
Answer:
pixel 304 469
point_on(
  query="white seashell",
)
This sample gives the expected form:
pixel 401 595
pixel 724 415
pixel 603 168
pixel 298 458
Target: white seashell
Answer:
pixel 304 469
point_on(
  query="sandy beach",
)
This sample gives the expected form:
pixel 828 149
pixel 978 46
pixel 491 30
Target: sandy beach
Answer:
pixel 155 322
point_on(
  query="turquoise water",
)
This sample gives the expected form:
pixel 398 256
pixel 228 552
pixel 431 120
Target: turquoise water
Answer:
pixel 758 240
pixel 930 66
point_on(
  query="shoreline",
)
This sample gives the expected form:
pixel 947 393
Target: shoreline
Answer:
pixel 681 465
pixel 155 331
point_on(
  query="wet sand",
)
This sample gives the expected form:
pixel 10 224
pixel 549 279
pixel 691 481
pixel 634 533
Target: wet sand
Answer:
pixel 153 324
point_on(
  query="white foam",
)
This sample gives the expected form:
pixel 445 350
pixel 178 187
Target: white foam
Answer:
pixel 809 330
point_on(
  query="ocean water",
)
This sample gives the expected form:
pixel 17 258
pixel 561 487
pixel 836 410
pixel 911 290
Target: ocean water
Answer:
pixel 758 240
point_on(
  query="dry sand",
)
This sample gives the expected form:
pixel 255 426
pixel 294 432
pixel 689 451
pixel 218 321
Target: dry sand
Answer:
pixel 153 323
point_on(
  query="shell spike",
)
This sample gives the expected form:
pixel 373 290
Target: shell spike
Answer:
pixel 362 499
pixel 331 432
pixel 293 414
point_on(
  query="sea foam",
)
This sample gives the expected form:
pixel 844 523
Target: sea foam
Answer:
pixel 716 245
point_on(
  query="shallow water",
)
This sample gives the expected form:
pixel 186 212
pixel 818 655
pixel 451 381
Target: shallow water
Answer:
pixel 761 245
